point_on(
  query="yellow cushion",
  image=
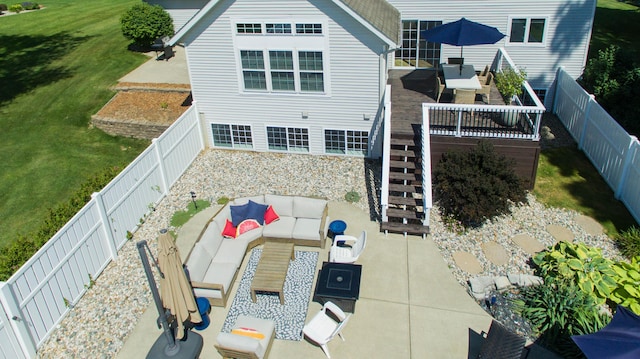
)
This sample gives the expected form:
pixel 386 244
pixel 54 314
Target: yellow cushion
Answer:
pixel 248 332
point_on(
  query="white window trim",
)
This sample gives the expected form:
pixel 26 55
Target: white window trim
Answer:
pixel 283 42
pixel 286 127
pixel 233 144
pixel 346 150
pixel 545 31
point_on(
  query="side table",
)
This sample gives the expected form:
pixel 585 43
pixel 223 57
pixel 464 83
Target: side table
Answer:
pixel 337 228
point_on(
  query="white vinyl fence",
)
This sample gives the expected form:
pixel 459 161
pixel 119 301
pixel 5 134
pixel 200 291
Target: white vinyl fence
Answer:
pixel 36 298
pixel 613 152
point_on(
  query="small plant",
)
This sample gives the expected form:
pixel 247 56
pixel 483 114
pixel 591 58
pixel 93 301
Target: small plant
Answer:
pixel 558 310
pixel 17 8
pixel 629 242
pixel 352 196
pixel 474 186
pixel 91 283
pixel 223 200
pixel 67 302
pixel 129 235
pixel 27 5
pixel 509 83
pixel 164 105
pixel 579 264
pixel 627 292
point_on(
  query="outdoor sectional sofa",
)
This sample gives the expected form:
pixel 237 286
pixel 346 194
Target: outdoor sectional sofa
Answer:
pixel 214 260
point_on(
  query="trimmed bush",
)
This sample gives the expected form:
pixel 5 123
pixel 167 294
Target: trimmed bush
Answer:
pixel 629 242
pixel 3 7
pixel 17 8
pixel 30 5
pixel 144 23
pixel 14 255
pixel 473 186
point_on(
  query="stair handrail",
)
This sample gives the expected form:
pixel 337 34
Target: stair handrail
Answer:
pixel 427 197
pixel 386 155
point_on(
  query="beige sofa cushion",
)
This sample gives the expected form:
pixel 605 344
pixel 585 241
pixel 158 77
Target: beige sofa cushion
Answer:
pixel 308 207
pixel 231 251
pixel 222 216
pixel 307 228
pixel 244 200
pixel 198 263
pixel 220 273
pixel 240 343
pixel 282 228
pixel 283 205
pixel 212 238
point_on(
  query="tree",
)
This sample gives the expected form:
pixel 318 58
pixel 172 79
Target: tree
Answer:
pixel 144 23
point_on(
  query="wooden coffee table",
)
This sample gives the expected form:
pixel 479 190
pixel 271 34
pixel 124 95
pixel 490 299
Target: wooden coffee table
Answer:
pixel 272 269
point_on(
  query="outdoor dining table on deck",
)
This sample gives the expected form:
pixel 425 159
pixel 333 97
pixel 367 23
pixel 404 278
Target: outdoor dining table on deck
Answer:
pixel 456 79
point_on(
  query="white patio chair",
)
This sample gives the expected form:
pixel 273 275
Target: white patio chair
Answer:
pixel 347 249
pixel 323 328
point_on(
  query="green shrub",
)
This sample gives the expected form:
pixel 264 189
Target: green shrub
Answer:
pixel 30 5
pixel 473 186
pixel 17 8
pixel 629 242
pixel 627 292
pixel 509 83
pixel 3 7
pixel 14 255
pixel 558 310
pixel 223 200
pixel 352 196
pixel 144 23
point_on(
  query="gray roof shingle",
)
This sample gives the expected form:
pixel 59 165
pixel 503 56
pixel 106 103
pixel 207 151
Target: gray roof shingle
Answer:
pixel 380 14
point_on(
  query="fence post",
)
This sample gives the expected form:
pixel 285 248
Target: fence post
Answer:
pixel 160 159
pixel 106 225
pixel 17 323
pixel 587 110
pixel 201 125
pixel 626 163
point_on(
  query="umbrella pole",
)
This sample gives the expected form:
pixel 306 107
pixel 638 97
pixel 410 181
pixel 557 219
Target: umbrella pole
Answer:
pixel 461 59
pixel 166 345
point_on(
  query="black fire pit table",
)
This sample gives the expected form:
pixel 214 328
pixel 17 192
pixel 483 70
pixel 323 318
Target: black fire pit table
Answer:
pixel 340 284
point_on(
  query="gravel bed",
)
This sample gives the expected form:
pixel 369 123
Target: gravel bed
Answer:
pixel 98 325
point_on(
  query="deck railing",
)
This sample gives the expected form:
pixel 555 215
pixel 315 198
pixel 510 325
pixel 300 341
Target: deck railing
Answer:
pixel 386 156
pixel 521 120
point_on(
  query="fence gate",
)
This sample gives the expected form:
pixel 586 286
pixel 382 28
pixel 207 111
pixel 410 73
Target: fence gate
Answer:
pixel 9 346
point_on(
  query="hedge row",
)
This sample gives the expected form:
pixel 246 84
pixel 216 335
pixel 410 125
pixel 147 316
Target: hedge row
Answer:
pixel 14 255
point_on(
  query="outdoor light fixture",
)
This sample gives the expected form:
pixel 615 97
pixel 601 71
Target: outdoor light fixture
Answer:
pixel 305 115
pixel 193 198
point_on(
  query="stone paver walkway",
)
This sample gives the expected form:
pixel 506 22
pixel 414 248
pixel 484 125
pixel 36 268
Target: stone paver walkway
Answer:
pixel 590 225
pixel 560 233
pixel 467 262
pixel 528 244
pixel 495 253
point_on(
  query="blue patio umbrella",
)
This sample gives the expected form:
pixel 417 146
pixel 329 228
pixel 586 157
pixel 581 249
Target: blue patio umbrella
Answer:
pixel 620 339
pixel 462 33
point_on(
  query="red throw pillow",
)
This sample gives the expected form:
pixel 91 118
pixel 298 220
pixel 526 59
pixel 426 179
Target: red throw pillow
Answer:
pixel 247 225
pixel 229 230
pixel 270 215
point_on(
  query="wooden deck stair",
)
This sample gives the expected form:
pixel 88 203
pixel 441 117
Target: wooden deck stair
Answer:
pixel 405 211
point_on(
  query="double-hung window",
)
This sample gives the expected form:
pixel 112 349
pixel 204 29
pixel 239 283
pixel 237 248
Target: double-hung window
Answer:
pixel 527 30
pixel 288 139
pixel 283 71
pixel 346 142
pixel 234 136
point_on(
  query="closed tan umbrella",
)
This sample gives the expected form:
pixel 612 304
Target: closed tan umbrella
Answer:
pixel 175 290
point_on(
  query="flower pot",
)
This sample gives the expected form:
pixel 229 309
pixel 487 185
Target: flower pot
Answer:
pixel 508 119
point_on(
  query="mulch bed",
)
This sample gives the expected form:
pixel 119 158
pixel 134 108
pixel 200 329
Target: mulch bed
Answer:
pixel 162 105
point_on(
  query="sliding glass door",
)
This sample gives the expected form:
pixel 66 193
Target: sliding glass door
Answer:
pixel 415 51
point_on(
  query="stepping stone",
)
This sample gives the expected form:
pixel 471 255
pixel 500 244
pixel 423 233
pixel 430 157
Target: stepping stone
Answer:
pixel 528 243
pixel 590 225
pixel 560 233
pixel 467 262
pixel 495 253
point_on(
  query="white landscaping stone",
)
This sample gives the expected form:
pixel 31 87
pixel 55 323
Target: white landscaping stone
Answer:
pixel 502 283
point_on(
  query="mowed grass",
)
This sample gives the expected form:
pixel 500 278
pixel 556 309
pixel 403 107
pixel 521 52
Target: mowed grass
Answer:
pixel 567 179
pixel 57 66
pixel 616 23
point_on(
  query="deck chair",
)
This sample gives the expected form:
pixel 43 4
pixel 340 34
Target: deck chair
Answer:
pixel 464 96
pixel 347 254
pixel 500 343
pixel 486 86
pixel 439 88
pixel 323 328
pixel 484 73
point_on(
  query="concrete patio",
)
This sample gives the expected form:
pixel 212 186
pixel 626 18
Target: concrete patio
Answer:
pixel 410 305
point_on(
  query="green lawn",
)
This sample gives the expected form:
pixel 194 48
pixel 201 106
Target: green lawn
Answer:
pixel 567 179
pixel 616 23
pixel 56 69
